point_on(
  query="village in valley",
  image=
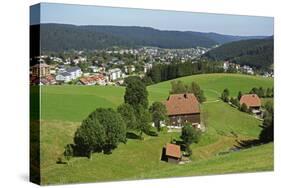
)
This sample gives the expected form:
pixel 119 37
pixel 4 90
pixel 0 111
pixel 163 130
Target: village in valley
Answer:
pixel 110 70
pixel 107 67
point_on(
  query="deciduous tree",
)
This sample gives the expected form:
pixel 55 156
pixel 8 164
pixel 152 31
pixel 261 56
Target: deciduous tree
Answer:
pixel 128 115
pixel 189 135
pixel 136 93
pixel 159 113
pixel 114 127
pixel 143 120
pixel 89 137
pixel 225 95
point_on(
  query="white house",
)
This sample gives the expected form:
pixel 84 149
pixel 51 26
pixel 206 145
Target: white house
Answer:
pixel 248 69
pixel 63 77
pixel 114 74
pixel 75 72
pixel 225 65
pixel 147 67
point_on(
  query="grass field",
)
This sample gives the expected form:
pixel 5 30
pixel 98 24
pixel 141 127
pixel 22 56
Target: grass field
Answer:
pixel 74 103
pixel 66 106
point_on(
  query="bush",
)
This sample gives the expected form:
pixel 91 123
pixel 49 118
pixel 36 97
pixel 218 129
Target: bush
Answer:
pixel 68 151
pixel 225 95
pixel 189 135
pixel 164 129
pixel 152 133
pixel 244 108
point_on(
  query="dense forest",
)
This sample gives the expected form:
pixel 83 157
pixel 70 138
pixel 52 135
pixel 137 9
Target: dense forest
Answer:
pixel 163 72
pixel 61 37
pixel 255 52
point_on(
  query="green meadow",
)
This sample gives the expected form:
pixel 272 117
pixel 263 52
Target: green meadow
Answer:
pixel 74 103
pixel 64 107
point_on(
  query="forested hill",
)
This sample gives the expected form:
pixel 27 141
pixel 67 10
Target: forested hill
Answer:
pixel 254 52
pixel 222 39
pixel 59 37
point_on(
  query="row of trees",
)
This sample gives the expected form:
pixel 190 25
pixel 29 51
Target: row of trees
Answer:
pixel 225 96
pixel 163 72
pixel 178 86
pixel 261 92
pixel 234 101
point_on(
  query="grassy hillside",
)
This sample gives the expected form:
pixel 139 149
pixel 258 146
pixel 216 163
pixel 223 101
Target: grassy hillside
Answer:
pixel 73 103
pixel 259 158
pixel 141 159
pixel 63 108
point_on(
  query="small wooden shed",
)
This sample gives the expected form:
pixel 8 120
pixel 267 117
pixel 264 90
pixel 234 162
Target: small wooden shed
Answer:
pixel 173 153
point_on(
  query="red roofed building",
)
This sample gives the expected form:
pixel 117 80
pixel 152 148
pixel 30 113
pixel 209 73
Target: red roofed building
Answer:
pixel 98 79
pixel 173 153
pixel 182 108
pixel 252 101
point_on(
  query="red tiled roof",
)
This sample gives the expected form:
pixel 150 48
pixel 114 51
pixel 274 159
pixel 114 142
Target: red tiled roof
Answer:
pixel 178 104
pixel 91 79
pixel 50 78
pixel 173 150
pixel 251 100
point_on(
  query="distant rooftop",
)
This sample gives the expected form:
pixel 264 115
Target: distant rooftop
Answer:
pixel 251 100
pixel 73 69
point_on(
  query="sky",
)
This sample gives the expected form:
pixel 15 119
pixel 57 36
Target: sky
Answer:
pixel 162 20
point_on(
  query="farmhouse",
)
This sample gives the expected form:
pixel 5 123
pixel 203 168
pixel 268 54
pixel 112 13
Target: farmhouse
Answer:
pixel 252 102
pixel 182 108
pixel 173 153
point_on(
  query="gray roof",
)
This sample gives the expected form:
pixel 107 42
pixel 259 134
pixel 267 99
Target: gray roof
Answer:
pixel 65 74
pixel 73 69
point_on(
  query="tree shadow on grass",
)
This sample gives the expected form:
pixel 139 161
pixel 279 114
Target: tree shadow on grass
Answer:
pixel 131 135
pixel 60 161
pixel 163 156
pixel 152 133
pixel 244 144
